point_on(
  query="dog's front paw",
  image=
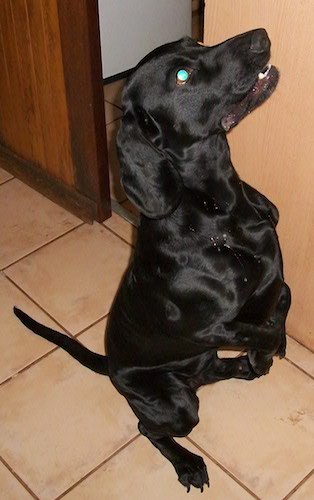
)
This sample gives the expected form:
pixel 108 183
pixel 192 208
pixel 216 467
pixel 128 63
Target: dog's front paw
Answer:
pixel 192 471
pixel 259 362
pixel 245 370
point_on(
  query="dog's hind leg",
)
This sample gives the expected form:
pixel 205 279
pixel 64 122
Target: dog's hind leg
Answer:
pixel 191 468
pixel 166 407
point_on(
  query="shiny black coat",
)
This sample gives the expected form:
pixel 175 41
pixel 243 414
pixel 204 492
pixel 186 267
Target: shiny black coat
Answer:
pixel 207 269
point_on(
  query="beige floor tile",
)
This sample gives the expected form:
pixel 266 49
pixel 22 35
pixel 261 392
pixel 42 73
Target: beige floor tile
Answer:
pixel 18 346
pixel 116 189
pixel 60 420
pixel 4 175
pixel 113 92
pixel 228 353
pixel 10 487
pixel 75 277
pixel 139 472
pixel 122 228
pixel 262 431
pixel 306 491
pixel 28 220
pixel 112 112
pixel 300 356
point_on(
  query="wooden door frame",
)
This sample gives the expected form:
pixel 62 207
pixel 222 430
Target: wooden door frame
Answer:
pixel 83 80
pixel 89 197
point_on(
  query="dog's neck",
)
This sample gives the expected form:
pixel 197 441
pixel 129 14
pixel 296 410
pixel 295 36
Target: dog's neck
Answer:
pixel 206 169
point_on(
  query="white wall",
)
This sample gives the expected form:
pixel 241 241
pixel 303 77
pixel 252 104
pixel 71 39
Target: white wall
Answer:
pixel 129 29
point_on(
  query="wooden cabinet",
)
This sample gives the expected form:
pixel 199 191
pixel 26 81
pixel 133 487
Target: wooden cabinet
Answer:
pixel 273 148
pixel 52 126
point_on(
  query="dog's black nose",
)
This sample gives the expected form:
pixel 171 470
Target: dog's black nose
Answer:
pixel 259 42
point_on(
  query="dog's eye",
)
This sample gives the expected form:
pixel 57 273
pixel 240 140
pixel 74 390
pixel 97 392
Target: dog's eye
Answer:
pixel 183 75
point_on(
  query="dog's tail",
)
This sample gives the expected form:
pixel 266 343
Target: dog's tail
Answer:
pixel 96 362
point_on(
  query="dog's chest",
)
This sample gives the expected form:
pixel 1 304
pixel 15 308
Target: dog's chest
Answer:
pixel 203 263
pixel 240 234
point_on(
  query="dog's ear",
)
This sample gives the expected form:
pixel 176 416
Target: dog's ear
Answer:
pixel 147 176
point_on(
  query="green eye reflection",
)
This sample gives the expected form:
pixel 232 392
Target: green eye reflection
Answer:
pixel 182 76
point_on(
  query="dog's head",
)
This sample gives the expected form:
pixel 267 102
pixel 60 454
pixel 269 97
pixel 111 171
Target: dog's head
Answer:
pixel 177 96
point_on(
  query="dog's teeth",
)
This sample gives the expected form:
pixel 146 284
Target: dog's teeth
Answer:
pixel 262 75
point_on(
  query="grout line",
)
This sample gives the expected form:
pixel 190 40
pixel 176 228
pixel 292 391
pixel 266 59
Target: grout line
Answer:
pixel 52 350
pixel 300 343
pixel 42 246
pixel 119 236
pixel 32 363
pixel 6 181
pixel 17 477
pixel 91 325
pixel 38 305
pixel 46 354
pixel 55 347
pixel 301 483
pixel 223 468
pixel 98 467
pixel 298 367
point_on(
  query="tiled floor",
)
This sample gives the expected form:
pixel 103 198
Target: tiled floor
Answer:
pixel 66 433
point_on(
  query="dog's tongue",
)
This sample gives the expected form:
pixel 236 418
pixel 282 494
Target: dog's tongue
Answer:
pixel 263 88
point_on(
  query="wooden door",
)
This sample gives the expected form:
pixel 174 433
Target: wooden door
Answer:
pixel 273 149
pixel 52 126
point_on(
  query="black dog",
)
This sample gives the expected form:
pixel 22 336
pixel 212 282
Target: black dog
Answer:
pixel 207 270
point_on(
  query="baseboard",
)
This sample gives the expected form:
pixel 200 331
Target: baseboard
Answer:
pixel 118 76
pixel 65 196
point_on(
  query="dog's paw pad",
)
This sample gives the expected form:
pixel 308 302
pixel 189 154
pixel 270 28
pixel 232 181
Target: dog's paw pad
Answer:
pixel 245 370
pixel 260 363
pixel 193 472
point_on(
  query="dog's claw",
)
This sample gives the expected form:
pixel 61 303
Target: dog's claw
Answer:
pixel 192 472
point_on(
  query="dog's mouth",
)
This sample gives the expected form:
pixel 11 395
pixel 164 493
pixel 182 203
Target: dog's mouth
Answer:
pixel 263 87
